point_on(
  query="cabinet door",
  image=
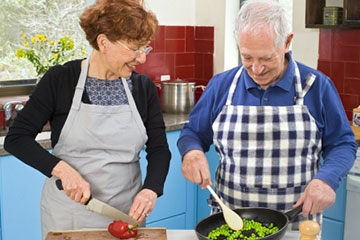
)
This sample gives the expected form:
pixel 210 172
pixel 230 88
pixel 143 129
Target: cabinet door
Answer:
pixel 332 229
pixel 20 188
pixel 337 210
pixel 178 195
pixel 175 222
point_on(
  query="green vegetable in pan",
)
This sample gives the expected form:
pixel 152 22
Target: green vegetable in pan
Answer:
pixel 251 230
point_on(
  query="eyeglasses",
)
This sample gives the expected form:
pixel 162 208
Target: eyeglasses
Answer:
pixel 137 52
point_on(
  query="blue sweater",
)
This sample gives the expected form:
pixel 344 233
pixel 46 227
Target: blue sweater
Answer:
pixel 338 141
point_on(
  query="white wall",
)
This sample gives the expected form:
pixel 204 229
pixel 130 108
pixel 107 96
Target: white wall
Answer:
pixel 173 12
pixel 221 14
pixel 305 45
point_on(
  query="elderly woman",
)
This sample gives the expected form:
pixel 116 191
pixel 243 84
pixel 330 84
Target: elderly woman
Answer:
pixel 101 114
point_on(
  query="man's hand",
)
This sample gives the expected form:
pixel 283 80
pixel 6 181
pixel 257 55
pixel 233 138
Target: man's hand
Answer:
pixel 195 168
pixel 73 183
pixel 317 197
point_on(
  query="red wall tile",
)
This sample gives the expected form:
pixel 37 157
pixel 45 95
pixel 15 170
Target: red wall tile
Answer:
pixel 345 53
pixel 204 33
pixel 174 32
pixel 184 72
pixel 177 53
pixel 175 46
pixel 325 44
pixel 324 67
pixel 159 40
pixel 339 58
pixel 190 38
pixel 184 59
pixel 337 75
pixel 204 46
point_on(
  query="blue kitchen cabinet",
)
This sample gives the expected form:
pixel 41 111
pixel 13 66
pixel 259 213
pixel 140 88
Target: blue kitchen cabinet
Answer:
pixel 178 198
pixel 334 217
pixel 21 186
pixel 20 193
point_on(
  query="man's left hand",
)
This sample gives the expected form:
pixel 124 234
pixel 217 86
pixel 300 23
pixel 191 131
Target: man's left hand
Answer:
pixel 317 197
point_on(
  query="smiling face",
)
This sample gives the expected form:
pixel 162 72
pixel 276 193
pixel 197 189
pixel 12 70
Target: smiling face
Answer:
pixel 264 61
pixel 114 60
pixel 122 61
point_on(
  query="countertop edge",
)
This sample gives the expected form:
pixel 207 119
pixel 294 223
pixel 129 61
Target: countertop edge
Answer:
pixel 173 122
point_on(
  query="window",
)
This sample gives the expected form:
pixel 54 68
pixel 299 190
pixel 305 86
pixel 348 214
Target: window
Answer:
pixel 53 18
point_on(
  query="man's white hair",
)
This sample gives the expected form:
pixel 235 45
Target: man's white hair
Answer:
pixel 256 15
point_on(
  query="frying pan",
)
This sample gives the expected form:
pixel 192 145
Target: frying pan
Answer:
pixel 263 215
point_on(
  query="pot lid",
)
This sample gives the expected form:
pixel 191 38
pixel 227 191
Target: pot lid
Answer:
pixel 178 81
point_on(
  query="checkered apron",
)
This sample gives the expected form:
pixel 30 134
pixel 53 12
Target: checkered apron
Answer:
pixel 267 153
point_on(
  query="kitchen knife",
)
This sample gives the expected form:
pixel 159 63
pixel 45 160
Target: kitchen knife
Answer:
pixel 104 209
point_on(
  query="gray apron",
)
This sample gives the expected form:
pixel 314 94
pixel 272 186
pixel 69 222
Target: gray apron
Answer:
pixel 102 143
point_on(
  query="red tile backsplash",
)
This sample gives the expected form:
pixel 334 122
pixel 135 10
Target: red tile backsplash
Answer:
pixel 339 58
pixel 184 52
pixel 204 33
pixel 174 32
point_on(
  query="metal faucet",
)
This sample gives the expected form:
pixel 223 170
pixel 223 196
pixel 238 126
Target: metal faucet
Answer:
pixel 9 113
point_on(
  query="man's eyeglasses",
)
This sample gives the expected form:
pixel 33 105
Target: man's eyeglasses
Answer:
pixel 137 52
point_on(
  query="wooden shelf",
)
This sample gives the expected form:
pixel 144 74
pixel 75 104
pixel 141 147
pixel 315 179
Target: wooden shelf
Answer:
pixel 314 14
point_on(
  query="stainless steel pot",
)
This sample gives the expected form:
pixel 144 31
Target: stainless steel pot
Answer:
pixel 177 96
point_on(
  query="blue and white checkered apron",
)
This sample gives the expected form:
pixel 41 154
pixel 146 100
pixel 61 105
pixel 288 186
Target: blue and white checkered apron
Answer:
pixel 267 153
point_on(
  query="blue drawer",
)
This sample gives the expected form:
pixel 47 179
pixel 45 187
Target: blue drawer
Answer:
pixel 332 230
pixel 176 222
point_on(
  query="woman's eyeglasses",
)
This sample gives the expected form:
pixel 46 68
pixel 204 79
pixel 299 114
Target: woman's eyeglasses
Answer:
pixel 137 52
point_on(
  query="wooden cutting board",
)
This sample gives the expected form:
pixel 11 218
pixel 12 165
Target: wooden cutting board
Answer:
pixel 103 234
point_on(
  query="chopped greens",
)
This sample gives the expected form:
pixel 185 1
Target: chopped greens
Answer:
pixel 251 230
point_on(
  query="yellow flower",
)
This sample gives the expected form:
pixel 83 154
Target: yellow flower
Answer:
pixel 20 53
pixel 67 43
pixel 44 53
pixel 41 37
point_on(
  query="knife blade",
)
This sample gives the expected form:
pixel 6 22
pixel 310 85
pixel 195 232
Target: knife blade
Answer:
pixel 104 209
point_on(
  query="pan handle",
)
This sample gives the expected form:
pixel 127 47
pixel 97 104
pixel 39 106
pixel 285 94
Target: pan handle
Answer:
pixel 291 214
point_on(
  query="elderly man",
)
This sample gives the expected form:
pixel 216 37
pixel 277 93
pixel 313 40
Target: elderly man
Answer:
pixel 270 119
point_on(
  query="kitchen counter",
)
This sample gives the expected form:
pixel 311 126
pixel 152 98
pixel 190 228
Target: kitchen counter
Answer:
pixel 190 235
pixel 172 122
pixel 356 131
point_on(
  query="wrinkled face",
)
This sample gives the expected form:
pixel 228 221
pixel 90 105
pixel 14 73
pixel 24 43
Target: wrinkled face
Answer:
pixel 263 60
pixel 122 57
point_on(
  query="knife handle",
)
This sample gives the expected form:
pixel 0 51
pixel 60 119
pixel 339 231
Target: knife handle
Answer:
pixel 60 187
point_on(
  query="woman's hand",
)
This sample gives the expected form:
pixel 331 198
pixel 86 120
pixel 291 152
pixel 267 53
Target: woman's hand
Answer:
pixel 74 185
pixel 143 204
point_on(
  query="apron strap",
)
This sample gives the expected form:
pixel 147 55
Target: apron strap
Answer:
pixel 233 86
pixel 310 79
pixel 134 110
pixel 80 85
pixel 300 91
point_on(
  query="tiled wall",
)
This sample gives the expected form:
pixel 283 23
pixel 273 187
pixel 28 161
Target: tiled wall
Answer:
pixel 184 52
pixel 339 58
